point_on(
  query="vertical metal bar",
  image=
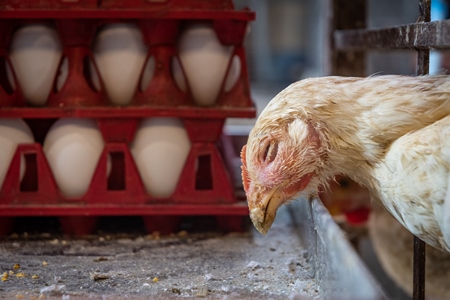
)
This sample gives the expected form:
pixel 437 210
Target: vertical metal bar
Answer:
pixel 423 63
pixel 419 270
pixel 423 56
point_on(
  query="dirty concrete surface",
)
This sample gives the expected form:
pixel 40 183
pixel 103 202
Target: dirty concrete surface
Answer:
pixel 202 263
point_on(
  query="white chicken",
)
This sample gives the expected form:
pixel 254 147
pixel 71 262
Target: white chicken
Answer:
pixel 389 133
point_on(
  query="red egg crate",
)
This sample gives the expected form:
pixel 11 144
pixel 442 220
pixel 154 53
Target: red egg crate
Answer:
pixel 205 186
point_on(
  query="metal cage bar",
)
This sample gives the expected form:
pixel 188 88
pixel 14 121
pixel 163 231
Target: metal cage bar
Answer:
pixel 408 36
pixel 423 64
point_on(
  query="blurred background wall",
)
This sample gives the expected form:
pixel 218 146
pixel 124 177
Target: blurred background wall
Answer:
pixel 286 42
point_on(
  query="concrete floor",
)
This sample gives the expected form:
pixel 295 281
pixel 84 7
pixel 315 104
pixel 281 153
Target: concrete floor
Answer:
pixel 132 265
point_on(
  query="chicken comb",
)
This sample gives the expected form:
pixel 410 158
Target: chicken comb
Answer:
pixel 244 174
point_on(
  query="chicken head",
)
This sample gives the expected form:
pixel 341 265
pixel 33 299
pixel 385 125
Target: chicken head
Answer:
pixel 278 162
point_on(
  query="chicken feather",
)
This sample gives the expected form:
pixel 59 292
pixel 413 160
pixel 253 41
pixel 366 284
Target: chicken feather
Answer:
pixel 412 182
pixel 383 132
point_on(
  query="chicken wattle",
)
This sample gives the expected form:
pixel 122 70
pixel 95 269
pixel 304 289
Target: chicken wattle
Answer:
pixel 390 134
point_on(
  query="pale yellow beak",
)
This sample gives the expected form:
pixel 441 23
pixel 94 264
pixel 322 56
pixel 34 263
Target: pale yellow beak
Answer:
pixel 264 214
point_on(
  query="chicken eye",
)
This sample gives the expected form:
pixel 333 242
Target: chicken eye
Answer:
pixel 344 182
pixel 270 152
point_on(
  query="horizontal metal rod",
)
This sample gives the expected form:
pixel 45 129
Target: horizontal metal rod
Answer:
pixel 428 35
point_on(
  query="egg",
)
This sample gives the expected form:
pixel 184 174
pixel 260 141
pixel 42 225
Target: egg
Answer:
pixel 233 74
pixel 160 149
pixel 10 76
pixel 12 133
pixel 35 54
pixel 120 53
pixel 177 73
pixel 72 148
pixel 205 61
pixel 62 74
pixel 147 74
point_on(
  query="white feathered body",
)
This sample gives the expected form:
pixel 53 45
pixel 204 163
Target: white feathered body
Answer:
pixel 413 181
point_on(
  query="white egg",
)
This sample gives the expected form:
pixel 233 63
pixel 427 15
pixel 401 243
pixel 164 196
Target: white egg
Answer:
pixel 120 53
pixel 147 74
pixel 233 73
pixel 177 73
pixel 160 150
pixel 10 76
pixel 205 61
pixel 35 55
pixel 95 79
pixel 72 148
pixel 62 74
pixel 12 133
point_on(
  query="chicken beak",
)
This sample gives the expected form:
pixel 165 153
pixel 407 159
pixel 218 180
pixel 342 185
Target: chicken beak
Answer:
pixel 264 214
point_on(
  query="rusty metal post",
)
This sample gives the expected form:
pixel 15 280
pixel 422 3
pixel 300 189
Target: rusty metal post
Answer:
pixel 423 62
pixel 419 269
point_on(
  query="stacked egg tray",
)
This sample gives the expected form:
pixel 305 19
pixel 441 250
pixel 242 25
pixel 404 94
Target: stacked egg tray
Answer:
pixel 205 186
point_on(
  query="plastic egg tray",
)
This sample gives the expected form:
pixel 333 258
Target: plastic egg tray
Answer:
pixel 205 186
